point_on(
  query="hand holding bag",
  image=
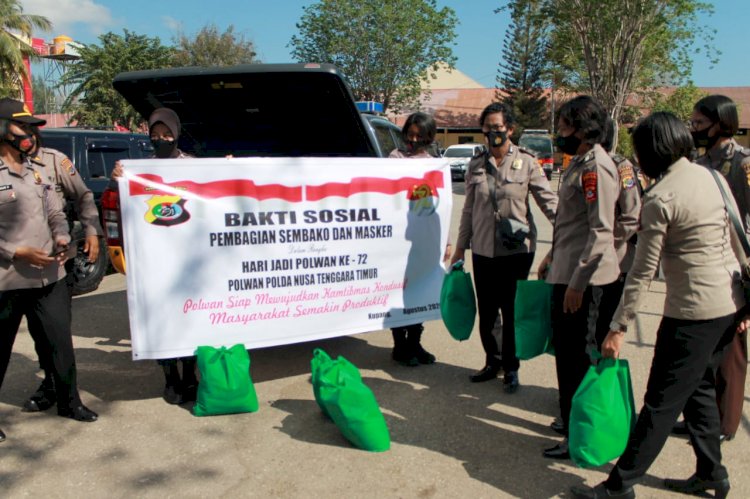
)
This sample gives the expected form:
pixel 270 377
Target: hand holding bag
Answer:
pixel 602 414
pixel 457 302
pixel 225 386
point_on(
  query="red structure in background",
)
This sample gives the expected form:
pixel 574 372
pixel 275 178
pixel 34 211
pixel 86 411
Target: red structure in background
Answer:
pixel 59 51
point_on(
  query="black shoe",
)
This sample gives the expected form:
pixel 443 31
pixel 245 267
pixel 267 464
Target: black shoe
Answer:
pixel 189 393
pixel 485 374
pixel 79 413
pixel 423 356
pixel 2 436
pixel 172 394
pixel 680 428
pixel 558 426
pixel 725 438
pixel 510 382
pixel 695 485
pixel 404 357
pixel 559 451
pixel 601 492
pixel 42 399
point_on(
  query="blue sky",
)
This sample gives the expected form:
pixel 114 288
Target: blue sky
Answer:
pixel 271 24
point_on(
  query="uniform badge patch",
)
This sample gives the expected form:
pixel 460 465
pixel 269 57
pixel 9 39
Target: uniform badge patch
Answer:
pixel 726 167
pixel 589 186
pixel 5 187
pixel 541 171
pixel 627 179
pixel 37 177
pixel 68 165
pixel 517 163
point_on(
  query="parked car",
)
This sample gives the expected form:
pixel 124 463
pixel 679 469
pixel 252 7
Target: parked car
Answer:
pixel 541 144
pixel 93 152
pixel 279 110
pixel 459 156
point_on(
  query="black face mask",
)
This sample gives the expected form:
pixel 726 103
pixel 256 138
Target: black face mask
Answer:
pixel 496 139
pixel 569 145
pixel 701 138
pixel 163 148
pixel 22 143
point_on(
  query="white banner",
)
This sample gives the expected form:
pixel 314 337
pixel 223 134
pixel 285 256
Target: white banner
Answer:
pixel 309 248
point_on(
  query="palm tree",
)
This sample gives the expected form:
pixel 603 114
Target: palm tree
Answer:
pixel 12 50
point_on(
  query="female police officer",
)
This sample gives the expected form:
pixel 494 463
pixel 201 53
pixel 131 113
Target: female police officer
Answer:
pixel 33 236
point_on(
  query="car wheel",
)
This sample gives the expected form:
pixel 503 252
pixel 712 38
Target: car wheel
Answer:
pixel 86 275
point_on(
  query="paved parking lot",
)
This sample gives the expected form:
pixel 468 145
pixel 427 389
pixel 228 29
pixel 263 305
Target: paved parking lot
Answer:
pixel 450 438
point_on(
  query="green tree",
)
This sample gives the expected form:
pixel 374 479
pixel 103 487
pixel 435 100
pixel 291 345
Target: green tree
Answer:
pixel 386 49
pixel 12 50
pixel 45 98
pixel 613 48
pixel 211 48
pixel 523 64
pixel 680 102
pixel 93 101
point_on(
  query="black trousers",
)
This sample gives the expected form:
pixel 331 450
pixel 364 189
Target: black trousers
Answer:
pixel 49 309
pixel 496 281
pixel 682 379
pixel 571 334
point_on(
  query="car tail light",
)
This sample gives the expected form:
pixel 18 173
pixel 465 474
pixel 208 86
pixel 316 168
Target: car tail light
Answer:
pixel 545 161
pixel 111 217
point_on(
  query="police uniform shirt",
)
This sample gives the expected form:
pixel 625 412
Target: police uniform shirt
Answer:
pixel 583 251
pixel 627 212
pixel 60 172
pixel 684 223
pixel 733 161
pixel 518 175
pixel 30 215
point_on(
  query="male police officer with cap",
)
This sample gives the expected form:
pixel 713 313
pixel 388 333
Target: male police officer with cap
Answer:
pixel 58 171
pixel 33 242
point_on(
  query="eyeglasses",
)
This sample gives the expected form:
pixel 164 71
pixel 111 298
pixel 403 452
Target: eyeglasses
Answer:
pixel 699 124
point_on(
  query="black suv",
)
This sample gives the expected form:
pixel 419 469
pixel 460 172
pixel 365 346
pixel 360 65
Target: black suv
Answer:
pixel 93 153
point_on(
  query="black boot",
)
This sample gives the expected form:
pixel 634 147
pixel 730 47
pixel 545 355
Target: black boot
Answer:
pixel 413 338
pixel 189 381
pixel 172 388
pixel 401 351
pixel 43 398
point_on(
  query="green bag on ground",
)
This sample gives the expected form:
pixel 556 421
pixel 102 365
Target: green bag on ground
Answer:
pixel 341 394
pixel 533 323
pixel 602 415
pixel 457 303
pixel 225 386
pixel 322 363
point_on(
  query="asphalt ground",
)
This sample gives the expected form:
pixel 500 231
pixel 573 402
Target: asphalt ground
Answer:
pixel 450 437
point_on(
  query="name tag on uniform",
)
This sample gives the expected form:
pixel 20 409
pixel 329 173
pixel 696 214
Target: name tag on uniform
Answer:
pixel 517 163
pixel 6 187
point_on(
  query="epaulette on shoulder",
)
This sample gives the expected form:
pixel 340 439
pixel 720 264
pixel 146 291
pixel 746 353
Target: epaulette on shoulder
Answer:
pixel 744 151
pixel 481 153
pixel 527 151
pixel 618 158
pixel 37 160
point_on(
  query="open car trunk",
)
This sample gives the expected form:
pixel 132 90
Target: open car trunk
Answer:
pixel 254 109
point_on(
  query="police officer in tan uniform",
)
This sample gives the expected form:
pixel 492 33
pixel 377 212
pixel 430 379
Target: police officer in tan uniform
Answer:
pixel 59 171
pixel 33 239
pixel 684 225
pixel 583 253
pixel 713 124
pixel 498 227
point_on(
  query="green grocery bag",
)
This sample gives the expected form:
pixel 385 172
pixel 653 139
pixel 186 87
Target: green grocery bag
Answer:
pixel 602 415
pixel 322 363
pixel 533 323
pixel 457 304
pixel 225 386
pixel 343 396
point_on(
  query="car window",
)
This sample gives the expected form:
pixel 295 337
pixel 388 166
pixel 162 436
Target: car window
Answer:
pixel 540 145
pixel 384 138
pixel 62 144
pixel 101 156
pixel 459 152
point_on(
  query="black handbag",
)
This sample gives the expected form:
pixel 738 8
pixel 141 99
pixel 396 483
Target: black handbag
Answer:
pixel 739 232
pixel 509 233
